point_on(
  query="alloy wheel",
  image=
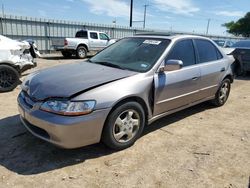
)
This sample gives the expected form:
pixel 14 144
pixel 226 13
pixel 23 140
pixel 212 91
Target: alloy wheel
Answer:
pixel 126 126
pixel 7 78
pixel 224 91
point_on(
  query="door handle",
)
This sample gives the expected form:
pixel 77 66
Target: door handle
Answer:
pixel 223 69
pixel 195 78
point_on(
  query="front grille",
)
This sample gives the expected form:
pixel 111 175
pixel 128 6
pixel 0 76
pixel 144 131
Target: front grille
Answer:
pixel 37 130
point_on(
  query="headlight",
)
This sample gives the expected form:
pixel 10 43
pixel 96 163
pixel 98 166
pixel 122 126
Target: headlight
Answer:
pixel 68 108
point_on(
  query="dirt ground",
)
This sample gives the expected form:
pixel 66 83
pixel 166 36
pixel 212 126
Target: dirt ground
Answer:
pixel 202 146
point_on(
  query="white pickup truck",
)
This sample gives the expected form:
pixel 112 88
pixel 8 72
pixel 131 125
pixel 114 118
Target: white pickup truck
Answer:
pixel 85 41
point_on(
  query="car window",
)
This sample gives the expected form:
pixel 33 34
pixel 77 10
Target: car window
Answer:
pixel 184 51
pixel 220 42
pixel 82 34
pixel 93 35
pixel 241 44
pixel 219 55
pixel 137 53
pixel 206 50
pixel 103 36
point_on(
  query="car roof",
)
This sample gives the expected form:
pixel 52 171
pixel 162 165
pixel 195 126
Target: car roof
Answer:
pixel 169 36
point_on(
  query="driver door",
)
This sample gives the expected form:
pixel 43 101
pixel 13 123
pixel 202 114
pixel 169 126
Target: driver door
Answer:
pixel 178 88
pixel 104 40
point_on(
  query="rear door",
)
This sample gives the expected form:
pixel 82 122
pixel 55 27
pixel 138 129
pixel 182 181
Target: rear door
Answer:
pixel 94 41
pixel 212 66
pixel 175 89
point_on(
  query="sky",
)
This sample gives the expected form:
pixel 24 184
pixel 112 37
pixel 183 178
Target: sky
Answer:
pixel 176 15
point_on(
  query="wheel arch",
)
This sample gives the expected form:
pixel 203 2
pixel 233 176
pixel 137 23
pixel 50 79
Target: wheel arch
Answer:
pixel 84 45
pixel 230 77
pixel 137 99
pixel 11 65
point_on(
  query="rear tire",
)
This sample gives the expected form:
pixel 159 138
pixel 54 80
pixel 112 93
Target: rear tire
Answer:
pixel 222 94
pixel 81 52
pixel 66 54
pixel 9 78
pixel 124 126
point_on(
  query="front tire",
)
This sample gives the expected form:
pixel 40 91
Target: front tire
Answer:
pixel 9 78
pixel 124 126
pixel 222 93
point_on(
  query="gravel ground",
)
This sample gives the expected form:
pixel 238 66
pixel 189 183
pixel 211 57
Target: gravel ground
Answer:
pixel 201 146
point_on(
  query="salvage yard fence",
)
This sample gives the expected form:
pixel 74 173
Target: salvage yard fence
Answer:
pixel 42 31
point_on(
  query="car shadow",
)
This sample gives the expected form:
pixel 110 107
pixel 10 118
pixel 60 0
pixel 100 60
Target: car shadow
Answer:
pixel 175 117
pixel 25 154
pixel 245 77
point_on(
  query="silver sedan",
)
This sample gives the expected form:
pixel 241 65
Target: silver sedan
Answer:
pixel 130 84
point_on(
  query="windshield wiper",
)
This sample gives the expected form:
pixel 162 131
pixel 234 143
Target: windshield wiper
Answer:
pixel 107 64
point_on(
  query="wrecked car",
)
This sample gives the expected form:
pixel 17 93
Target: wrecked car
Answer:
pixel 130 84
pixel 15 58
pixel 241 52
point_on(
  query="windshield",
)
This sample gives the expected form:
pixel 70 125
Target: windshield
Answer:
pixel 136 54
pixel 245 44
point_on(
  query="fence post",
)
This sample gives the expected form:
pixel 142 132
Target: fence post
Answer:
pixel 47 36
pixel 1 25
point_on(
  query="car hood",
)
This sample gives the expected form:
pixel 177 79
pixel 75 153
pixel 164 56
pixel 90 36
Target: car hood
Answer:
pixel 67 80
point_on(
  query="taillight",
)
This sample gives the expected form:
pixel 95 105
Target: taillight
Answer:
pixel 65 42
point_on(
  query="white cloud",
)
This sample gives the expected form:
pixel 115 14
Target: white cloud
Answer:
pixel 184 7
pixel 230 13
pixel 113 8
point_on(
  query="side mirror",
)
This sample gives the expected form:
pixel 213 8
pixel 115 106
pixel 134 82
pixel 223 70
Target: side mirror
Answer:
pixel 171 65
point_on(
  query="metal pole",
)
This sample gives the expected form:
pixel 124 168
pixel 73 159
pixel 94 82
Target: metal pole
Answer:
pixel 3 10
pixel 145 13
pixel 131 13
pixel 208 22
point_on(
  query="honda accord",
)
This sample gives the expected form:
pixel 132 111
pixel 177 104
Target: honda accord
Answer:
pixel 130 84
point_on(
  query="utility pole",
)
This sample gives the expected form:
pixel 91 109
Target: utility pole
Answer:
pixel 131 13
pixel 3 9
pixel 208 22
pixel 145 13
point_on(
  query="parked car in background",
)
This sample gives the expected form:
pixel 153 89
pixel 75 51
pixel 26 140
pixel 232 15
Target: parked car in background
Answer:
pixel 85 41
pixel 241 52
pixel 113 95
pixel 15 58
pixel 224 43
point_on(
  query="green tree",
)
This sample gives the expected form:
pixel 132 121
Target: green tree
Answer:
pixel 240 27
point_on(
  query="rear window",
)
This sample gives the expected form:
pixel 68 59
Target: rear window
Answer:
pixel 207 51
pixel 93 35
pixel 82 34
